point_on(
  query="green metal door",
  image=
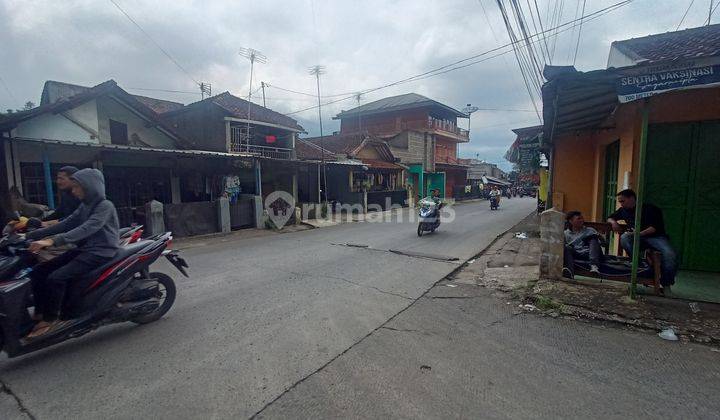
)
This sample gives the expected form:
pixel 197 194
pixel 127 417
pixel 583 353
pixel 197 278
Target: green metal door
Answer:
pixel 683 179
pixel 612 157
pixel 702 251
pixel 436 180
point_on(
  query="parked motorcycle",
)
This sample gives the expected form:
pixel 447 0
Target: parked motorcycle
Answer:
pixel 429 216
pixel 494 202
pixel 123 289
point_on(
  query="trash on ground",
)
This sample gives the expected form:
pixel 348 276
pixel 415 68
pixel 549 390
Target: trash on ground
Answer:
pixel 694 307
pixel 506 266
pixel 521 235
pixel 471 261
pixel 528 307
pixel 451 285
pixel 668 334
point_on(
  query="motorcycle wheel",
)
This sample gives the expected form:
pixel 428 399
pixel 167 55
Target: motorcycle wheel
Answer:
pixel 420 229
pixel 167 289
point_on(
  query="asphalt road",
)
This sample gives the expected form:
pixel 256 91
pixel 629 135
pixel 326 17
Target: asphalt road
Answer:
pixel 257 317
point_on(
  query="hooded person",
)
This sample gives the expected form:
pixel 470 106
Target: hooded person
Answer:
pixel 93 228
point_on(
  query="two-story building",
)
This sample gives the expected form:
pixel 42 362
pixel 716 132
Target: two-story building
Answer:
pixel 421 132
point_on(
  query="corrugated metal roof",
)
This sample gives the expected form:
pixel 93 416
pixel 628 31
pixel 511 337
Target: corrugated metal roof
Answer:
pixel 398 103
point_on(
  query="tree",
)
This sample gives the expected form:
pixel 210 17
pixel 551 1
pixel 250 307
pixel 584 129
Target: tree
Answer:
pixel 28 106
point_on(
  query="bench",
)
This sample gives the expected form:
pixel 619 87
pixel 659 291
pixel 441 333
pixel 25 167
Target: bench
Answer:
pixel 653 258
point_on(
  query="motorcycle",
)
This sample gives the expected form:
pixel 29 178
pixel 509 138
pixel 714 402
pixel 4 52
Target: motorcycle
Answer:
pixel 124 289
pixel 494 203
pixel 429 215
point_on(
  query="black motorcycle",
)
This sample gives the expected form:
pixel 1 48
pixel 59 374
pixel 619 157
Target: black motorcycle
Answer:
pixel 123 290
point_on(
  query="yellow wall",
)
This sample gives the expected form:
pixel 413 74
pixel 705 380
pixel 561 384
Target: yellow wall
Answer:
pixel 579 159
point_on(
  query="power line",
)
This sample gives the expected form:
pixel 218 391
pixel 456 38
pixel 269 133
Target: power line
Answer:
pixel 477 57
pixel 685 14
pixel 14 99
pixel 164 90
pixel 167 54
pixel 577 45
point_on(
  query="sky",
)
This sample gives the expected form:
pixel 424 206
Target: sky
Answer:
pixel 361 44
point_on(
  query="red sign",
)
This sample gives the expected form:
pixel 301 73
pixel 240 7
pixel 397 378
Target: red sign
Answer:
pixel 270 139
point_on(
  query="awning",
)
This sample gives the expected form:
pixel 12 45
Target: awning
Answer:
pixel 382 164
pixel 494 181
pixel 575 100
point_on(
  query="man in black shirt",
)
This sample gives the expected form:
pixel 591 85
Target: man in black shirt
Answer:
pixel 68 202
pixel 652 233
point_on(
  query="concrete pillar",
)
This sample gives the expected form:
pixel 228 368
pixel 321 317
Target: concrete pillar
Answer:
pixel 552 243
pixel 295 187
pixel 154 218
pixel 223 208
pixel 364 203
pixel 259 212
pixel 175 190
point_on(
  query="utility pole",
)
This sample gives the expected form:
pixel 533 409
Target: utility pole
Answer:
pixel 262 85
pixel 316 71
pixel 253 56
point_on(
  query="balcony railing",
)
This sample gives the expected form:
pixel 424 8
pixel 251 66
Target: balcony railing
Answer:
pixel 239 144
pixel 431 124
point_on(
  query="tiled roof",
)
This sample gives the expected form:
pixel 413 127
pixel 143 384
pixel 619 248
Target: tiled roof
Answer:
pixel 346 144
pixel 398 103
pixel 238 108
pixel 686 44
pixel 159 105
pixel 309 151
pixel 54 91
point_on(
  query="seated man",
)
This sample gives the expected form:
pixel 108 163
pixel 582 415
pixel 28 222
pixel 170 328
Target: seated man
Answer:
pixel 581 242
pixel 93 227
pixel 652 234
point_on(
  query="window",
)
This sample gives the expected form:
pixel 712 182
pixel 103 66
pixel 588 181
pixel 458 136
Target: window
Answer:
pixel 118 133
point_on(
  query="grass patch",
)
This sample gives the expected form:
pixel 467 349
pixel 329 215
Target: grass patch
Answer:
pixel 547 304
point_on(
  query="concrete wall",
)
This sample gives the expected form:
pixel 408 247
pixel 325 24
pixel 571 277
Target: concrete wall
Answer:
pixel 413 147
pixel 59 127
pixel 139 133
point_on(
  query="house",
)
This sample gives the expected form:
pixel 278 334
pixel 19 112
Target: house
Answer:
pixel 361 169
pixel 228 124
pixel 477 169
pixel 649 122
pixel 525 155
pixel 421 132
pixel 141 156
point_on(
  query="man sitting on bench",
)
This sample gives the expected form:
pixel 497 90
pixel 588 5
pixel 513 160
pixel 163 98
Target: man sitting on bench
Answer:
pixel 652 234
pixel 581 242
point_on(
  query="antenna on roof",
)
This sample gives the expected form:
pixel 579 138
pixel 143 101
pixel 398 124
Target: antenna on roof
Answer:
pixel 205 89
pixel 253 56
pixel 316 71
pixel 358 97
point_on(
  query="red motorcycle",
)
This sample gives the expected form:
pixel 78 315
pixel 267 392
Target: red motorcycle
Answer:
pixel 124 289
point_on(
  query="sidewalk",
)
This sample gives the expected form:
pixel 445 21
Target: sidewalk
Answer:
pixel 510 265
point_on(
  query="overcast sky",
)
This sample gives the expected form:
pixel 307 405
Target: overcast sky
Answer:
pixel 362 44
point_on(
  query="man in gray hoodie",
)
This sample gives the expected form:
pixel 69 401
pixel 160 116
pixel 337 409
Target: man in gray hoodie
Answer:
pixel 93 228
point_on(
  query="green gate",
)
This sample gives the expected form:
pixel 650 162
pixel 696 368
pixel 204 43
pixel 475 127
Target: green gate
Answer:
pixel 683 179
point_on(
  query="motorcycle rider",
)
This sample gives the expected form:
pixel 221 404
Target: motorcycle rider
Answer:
pixel 68 202
pixel 93 227
pixel 496 193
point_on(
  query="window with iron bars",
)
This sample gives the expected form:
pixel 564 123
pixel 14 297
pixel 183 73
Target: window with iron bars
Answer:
pixel 239 138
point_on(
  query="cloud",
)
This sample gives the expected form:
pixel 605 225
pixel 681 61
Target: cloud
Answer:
pixel 361 44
